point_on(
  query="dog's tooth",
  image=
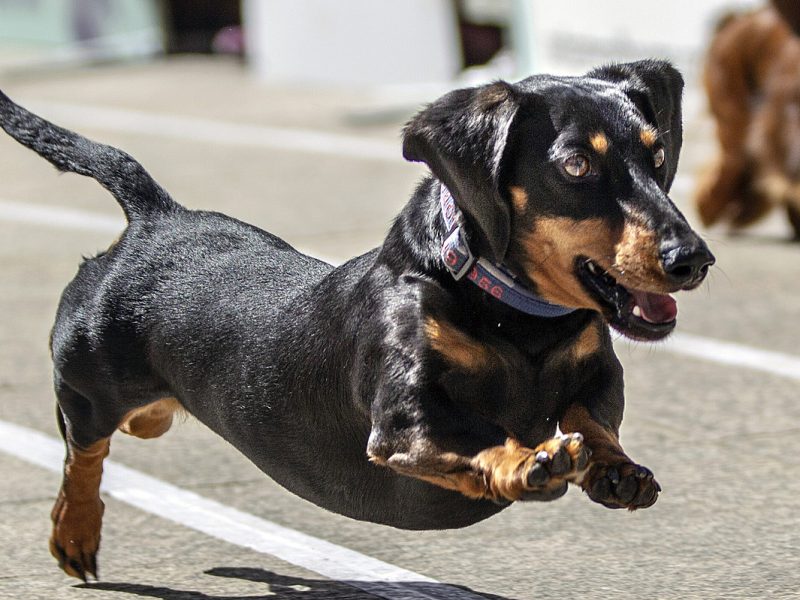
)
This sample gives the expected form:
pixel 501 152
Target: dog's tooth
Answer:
pixel 637 312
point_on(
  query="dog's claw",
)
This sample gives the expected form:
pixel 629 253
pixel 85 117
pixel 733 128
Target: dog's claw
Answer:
pixel 613 476
pixel 647 496
pixel 561 462
pixel 78 569
pixel 90 562
pixel 583 459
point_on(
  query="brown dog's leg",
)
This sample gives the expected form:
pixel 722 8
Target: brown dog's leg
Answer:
pixel 724 193
pixel 729 79
pixel 502 473
pixel 78 511
pixel 612 479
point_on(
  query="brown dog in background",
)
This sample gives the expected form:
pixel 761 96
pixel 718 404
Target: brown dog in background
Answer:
pixel 752 78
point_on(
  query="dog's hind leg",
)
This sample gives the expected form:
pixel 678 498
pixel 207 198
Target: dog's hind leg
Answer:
pixel 78 511
pixel 729 83
pixel 77 515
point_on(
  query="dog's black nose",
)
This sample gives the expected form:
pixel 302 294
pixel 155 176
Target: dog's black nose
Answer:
pixel 687 263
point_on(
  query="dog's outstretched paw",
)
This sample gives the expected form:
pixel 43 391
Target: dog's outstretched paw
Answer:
pixel 557 461
pixel 625 485
pixel 75 539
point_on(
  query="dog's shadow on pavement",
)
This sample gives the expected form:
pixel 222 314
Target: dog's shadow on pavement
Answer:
pixel 297 588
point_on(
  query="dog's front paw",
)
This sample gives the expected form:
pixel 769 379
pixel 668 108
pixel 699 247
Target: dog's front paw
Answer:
pixel 624 485
pixel 76 535
pixel 556 462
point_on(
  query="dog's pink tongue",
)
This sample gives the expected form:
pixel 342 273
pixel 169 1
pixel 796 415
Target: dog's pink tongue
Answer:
pixel 656 308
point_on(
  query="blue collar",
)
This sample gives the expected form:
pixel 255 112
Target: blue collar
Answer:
pixel 495 280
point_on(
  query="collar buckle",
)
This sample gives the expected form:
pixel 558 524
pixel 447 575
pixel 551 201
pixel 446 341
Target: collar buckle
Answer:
pixel 456 254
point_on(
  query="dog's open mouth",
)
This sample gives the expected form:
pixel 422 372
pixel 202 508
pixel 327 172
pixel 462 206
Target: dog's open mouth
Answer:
pixel 636 314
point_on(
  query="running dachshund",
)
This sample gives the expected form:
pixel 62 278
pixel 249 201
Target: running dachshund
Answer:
pixel 463 365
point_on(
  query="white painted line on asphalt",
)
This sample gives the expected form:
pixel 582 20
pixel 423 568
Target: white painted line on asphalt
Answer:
pixel 236 527
pixel 732 354
pixel 217 132
pixel 82 220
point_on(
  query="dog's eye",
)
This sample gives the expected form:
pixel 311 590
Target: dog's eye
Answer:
pixel 658 157
pixel 576 165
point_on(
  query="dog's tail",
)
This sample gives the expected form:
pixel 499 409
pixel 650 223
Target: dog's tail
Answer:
pixel 133 187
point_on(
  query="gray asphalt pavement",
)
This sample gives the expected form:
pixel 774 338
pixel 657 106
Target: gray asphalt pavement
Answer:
pixel 723 441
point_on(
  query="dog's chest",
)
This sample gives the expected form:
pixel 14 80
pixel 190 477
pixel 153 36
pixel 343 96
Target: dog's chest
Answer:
pixel 526 390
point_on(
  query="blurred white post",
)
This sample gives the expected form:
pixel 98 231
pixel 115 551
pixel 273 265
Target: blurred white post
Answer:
pixel 521 31
pixel 352 41
pixel 572 37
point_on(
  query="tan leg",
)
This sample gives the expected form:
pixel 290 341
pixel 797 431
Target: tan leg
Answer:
pixel 501 473
pixel 78 511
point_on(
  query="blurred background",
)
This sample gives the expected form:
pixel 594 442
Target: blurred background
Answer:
pixel 288 114
pixel 359 41
pixel 360 66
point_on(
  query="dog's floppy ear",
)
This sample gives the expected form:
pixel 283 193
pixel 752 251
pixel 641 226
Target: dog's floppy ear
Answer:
pixel 655 87
pixel 461 137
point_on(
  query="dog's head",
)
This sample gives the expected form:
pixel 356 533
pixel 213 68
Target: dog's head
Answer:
pixel 565 180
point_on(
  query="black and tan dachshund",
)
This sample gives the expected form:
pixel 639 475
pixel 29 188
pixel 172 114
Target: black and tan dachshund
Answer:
pixel 423 384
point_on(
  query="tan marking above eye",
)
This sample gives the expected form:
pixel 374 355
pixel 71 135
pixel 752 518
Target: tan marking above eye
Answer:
pixel 599 142
pixel 519 198
pixel 648 135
